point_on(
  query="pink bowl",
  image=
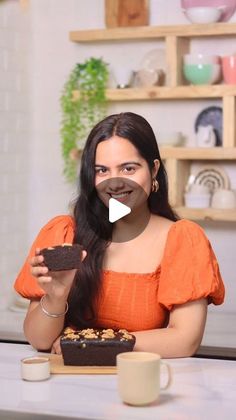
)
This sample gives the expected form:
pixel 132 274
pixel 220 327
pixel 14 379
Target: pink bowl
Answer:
pixel 227 11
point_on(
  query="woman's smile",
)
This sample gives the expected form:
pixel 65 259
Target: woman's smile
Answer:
pixel 122 196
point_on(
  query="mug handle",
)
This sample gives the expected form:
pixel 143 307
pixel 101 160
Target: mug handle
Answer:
pixel 169 373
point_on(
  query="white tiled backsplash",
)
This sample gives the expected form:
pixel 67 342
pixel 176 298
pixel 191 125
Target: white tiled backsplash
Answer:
pixel 14 142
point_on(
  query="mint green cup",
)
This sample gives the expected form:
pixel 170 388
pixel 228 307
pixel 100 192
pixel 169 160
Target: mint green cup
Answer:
pixel 198 74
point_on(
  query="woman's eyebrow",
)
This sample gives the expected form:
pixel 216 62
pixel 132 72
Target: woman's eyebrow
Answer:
pixel 119 166
pixel 131 163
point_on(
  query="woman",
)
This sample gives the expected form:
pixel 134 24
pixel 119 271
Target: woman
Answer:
pixel 156 284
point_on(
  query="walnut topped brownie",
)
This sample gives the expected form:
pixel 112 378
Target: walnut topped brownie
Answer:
pixel 62 257
pixel 94 347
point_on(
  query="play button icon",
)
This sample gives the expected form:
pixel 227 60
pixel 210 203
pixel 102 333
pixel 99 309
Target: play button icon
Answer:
pixel 115 198
pixel 117 210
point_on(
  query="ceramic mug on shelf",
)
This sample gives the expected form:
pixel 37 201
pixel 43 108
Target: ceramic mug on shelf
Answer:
pixel 139 376
pixel 229 69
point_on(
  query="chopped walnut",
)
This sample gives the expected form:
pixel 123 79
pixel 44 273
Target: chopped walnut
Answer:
pixel 108 334
pixel 108 331
pixel 72 336
pixel 68 330
pixel 90 335
pixel 127 336
pixel 87 331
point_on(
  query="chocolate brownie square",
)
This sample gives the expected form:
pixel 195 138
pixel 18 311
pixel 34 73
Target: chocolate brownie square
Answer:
pixel 62 257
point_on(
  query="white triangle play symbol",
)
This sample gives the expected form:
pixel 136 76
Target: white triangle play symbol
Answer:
pixel 117 210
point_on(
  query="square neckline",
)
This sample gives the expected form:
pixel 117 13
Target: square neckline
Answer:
pixel 152 273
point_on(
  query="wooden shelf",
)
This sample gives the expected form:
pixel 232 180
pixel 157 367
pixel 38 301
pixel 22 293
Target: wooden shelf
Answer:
pixel 153 32
pixel 166 92
pixel 195 153
pixel 176 92
pixel 177 39
pixel 224 215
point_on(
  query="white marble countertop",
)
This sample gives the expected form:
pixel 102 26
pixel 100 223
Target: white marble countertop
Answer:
pixel 201 389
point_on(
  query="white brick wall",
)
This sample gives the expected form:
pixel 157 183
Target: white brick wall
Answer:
pixel 14 142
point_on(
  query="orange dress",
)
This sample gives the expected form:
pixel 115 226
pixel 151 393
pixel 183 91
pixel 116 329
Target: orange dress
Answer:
pixel 142 301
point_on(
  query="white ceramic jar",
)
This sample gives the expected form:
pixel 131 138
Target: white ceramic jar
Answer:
pixel 224 199
pixel 197 200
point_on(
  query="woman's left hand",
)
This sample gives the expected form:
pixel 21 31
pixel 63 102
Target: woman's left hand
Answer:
pixel 56 347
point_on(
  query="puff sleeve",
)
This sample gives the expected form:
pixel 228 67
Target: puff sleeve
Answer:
pixel 189 269
pixel 56 232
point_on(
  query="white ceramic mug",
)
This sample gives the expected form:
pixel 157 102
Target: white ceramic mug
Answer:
pixel 139 377
pixel 36 368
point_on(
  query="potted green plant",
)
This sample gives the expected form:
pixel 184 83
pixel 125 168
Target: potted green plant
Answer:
pixel 83 104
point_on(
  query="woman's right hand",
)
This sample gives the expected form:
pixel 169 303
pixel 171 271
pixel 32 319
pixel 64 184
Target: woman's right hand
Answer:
pixel 54 283
pixel 56 347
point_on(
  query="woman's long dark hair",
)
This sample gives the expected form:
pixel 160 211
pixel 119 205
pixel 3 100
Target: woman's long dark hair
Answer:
pixel 93 229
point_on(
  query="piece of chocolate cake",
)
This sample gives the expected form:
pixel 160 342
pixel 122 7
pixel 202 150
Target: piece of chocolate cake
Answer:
pixel 62 257
pixel 93 347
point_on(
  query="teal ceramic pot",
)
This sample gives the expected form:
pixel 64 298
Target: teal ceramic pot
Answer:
pixel 198 74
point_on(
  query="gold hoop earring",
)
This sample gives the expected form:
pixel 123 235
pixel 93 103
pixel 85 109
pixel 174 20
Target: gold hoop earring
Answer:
pixel 155 185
